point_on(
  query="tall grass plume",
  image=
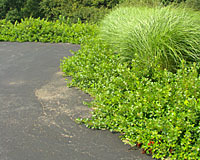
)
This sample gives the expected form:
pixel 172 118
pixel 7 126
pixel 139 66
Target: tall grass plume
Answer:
pixel 153 36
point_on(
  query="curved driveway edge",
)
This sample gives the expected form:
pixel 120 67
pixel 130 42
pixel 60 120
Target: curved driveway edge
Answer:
pixel 37 110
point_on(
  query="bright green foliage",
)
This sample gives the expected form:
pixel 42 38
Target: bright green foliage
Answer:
pixel 161 113
pixel 40 30
pixel 153 36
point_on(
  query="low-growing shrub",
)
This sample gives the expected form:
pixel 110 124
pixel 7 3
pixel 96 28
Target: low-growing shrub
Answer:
pixel 40 30
pixel 161 114
pixel 153 36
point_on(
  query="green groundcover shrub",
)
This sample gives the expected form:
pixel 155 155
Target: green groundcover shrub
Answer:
pixel 161 114
pixel 153 36
pixel 40 30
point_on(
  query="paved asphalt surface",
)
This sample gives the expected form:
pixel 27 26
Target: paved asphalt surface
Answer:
pixel 37 110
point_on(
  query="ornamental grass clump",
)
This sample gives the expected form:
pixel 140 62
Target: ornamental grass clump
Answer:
pixel 153 36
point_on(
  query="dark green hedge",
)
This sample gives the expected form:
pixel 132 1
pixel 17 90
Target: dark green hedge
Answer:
pixel 86 10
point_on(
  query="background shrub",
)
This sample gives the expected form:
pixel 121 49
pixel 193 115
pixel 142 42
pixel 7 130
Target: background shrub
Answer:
pixel 88 14
pixel 16 9
pixel 167 2
pixel 161 36
pixel 86 10
pixel 195 4
pixel 150 3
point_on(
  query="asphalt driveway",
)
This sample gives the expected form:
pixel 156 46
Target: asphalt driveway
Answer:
pixel 37 110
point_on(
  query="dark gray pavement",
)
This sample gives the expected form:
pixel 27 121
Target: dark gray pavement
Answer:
pixel 37 110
